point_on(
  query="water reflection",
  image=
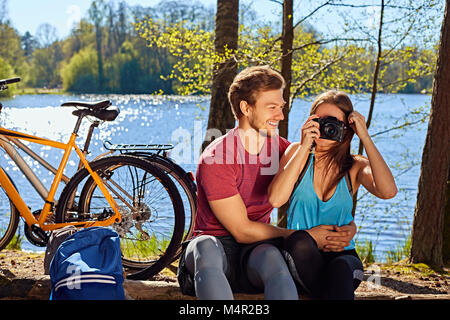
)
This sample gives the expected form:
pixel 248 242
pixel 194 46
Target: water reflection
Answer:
pixel 154 119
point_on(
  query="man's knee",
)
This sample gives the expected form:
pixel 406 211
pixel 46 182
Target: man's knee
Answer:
pixel 267 254
pixel 207 252
pixel 268 261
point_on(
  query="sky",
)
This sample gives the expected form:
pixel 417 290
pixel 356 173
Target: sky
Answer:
pixel 27 15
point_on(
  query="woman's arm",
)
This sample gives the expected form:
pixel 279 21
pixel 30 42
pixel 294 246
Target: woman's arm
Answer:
pixel 374 174
pixel 292 163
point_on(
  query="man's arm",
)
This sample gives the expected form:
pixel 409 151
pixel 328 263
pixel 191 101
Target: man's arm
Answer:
pixel 232 214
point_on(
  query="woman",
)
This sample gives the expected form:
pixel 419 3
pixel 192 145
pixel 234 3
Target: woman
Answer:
pixel 319 177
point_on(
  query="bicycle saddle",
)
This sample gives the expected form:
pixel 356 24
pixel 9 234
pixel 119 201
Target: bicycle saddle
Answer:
pixel 109 114
pixel 103 104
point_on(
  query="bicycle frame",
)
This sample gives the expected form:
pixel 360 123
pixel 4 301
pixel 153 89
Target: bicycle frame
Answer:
pixel 7 136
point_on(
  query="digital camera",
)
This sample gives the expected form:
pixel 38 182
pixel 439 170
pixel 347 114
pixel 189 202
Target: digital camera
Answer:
pixel 331 128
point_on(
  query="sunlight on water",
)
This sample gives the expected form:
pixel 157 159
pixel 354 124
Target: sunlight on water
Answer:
pixel 158 119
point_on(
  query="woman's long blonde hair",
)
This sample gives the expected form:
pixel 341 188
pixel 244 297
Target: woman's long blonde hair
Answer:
pixel 338 155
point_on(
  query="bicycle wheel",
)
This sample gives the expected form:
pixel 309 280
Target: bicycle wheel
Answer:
pixel 186 188
pixel 9 219
pixel 151 208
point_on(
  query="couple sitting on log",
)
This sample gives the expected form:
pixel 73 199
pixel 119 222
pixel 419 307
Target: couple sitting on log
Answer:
pixel 244 174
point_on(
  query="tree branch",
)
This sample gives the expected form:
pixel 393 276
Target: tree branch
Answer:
pixel 403 80
pixel 367 5
pixel 275 1
pixel 320 42
pixel 399 127
pixel 311 13
pixel 314 75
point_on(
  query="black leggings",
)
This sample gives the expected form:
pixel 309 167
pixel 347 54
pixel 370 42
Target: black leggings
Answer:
pixel 322 275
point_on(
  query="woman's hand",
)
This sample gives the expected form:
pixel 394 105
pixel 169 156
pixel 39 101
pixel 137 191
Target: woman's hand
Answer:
pixel 344 234
pixel 358 123
pixel 310 131
pixel 328 238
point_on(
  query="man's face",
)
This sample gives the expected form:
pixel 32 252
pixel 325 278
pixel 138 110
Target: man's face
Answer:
pixel 267 112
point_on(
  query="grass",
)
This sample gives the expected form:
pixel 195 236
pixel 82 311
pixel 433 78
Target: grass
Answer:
pixel 399 253
pixel 366 251
pixel 16 242
pixel 151 248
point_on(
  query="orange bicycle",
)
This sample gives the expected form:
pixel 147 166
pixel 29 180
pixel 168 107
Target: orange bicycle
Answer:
pixel 141 202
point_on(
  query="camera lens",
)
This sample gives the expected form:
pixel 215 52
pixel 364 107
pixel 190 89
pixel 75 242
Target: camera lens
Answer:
pixel 330 130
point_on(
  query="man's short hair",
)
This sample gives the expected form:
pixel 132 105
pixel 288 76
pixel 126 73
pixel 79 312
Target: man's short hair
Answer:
pixel 249 83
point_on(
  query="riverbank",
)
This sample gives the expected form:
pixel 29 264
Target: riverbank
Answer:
pixel 381 281
pixel 23 91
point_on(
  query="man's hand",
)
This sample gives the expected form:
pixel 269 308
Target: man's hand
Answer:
pixel 343 234
pixel 328 238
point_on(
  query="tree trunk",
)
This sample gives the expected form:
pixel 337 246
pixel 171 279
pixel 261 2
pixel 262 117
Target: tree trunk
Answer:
pixel 286 72
pixel 226 36
pixel 427 231
pixel 446 233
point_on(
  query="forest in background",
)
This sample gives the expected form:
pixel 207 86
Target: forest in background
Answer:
pixel 117 48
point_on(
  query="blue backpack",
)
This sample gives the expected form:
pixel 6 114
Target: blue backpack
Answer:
pixel 88 266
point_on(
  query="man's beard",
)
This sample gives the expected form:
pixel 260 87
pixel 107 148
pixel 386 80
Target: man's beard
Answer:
pixel 264 132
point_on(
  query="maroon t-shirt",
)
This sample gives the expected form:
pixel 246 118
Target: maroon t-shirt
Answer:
pixel 225 169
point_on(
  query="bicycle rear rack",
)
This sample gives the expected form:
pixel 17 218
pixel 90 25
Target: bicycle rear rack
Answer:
pixel 137 147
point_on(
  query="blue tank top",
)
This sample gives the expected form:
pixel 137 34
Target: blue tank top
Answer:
pixel 306 210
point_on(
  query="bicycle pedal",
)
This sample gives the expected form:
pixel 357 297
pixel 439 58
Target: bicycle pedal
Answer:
pixel 39 232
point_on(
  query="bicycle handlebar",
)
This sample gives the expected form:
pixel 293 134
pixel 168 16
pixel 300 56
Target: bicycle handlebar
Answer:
pixel 8 81
pixel 4 82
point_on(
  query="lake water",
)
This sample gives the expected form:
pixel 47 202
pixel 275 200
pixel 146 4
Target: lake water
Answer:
pixel 182 121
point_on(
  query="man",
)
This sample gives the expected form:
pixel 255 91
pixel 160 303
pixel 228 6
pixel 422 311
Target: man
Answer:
pixel 234 247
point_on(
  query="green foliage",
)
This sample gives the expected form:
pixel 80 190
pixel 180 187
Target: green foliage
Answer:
pixel 45 65
pixel 366 251
pixel 10 49
pixel 16 242
pixel 138 249
pixel 399 253
pixel 123 70
pixel 80 74
pixel 6 71
pixel 316 65
pixel 192 48
pixel 170 48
